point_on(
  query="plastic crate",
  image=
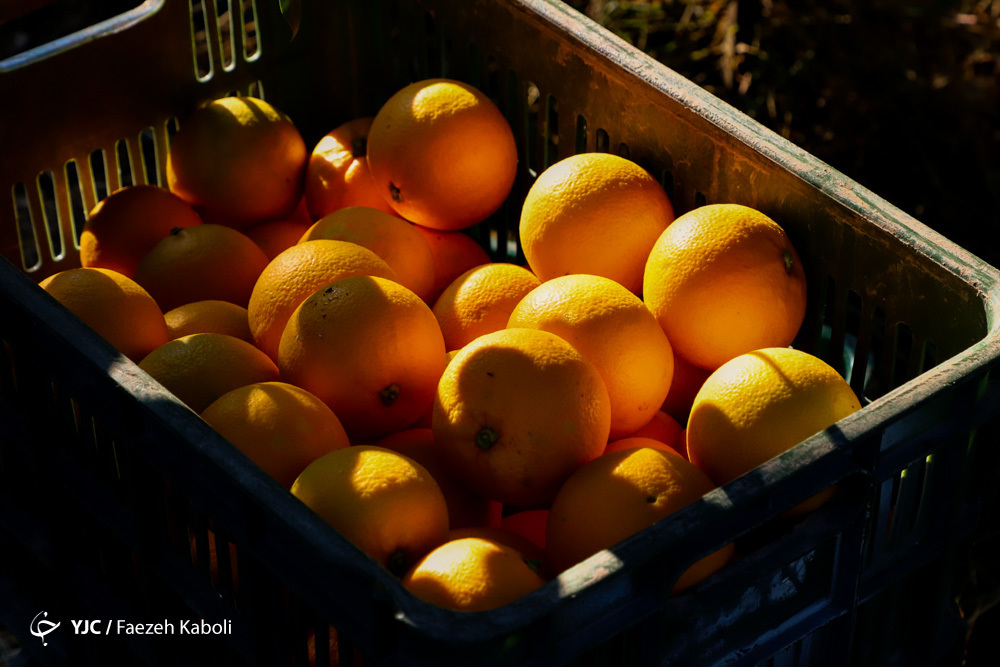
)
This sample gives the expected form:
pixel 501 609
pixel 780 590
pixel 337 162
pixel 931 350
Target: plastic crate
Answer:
pixel 113 494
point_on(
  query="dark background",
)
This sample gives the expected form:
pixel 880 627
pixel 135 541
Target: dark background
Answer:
pixel 900 96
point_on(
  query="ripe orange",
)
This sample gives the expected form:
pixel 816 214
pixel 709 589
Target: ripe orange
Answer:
pixel 759 405
pixel 724 280
pixel 454 254
pixel 338 176
pixel 298 272
pixel 465 508
pixel 518 410
pixel 393 239
pixel 618 495
pixel 532 553
pixel 113 305
pixel 238 161
pixel 199 368
pixel 636 441
pixel 665 429
pixel 688 379
pixel 370 349
pixel 126 224
pixel 472 574
pixel 593 213
pixel 388 505
pixel 280 427
pixel 209 316
pixel 480 301
pixel 612 328
pixel 442 154
pixel 201 262
pixel 276 236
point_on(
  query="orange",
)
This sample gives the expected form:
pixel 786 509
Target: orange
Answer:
pixel 618 495
pixel 113 305
pixel 688 379
pixel 759 405
pixel 532 553
pixel 635 441
pixel 454 254
pixel 298 272
pixel 665 429
pixel 280 427
pixel 724 280
pixel 465 508
pixel 238 161
pixel 126 224
pixel 593 213
pixel 393 239
pixel 209 316
pixel 370 349
pixel 472 574
pixel 385 503
pixel 199 263
pixel 199 368
pixel 480 301
pixel 518 410
pixel 529 524
pixel 612 328
pixel 276 236
pixel 442 154
pixel 337 175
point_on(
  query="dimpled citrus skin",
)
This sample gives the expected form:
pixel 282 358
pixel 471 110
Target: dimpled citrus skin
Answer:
pixel 387 504
pixel 199 368
pixel 593 213
pixel 338 175
pixel 238 161
pixel 759 405
pixel 442 154
pixel 517 411
pixel 480 301
pixel 298 272
pixel 618 495
pixel 280 427
pixel 201 262
pixel 724 279
pixel 126 224
pixel 472 574
pixel 113 305
pixel 393 239
pixel 208 316
pixel 465 508
pixel 370 349
pixel 612 328
pixel 454 254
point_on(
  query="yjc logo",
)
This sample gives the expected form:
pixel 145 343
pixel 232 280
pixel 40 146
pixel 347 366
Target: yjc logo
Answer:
pixel 41 627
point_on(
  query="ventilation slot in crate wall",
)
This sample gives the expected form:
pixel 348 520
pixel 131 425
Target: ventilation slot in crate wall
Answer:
pixel 52 211
pixel 223 33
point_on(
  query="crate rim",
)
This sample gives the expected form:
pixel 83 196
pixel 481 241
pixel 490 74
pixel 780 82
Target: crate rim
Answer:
pixel 980 357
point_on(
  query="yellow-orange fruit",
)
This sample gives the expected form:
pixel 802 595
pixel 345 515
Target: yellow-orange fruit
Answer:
pixel 518 410
pixel 370 349
pixel 238 161
pixel 593 213
pixel 724 280
pixel 441 154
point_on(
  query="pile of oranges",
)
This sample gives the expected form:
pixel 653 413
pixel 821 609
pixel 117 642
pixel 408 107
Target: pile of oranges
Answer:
pixel 475 426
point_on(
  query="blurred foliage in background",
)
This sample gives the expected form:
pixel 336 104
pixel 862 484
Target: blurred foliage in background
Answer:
pixel 901 96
